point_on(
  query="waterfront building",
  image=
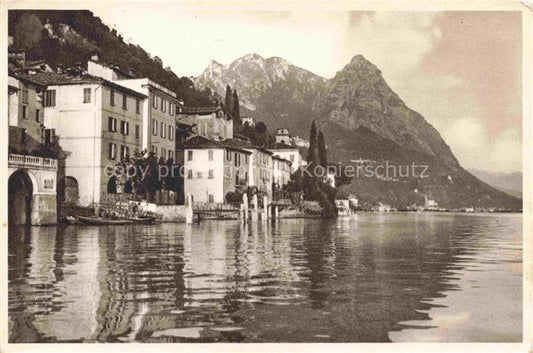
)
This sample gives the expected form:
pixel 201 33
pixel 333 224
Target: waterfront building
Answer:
pixel 281 171
pixel 290 153
pixel 158 111
pixel 32 177
pixel 213 169
pixel 98 124
pixel 259 167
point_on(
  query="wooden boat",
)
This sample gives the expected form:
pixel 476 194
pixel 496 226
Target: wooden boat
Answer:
pixel 98 221
pixel 140 220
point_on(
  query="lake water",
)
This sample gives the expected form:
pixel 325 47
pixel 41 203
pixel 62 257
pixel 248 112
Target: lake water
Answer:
pixel 417 277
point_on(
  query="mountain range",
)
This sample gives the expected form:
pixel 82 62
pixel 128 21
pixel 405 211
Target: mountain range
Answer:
pixel 362 119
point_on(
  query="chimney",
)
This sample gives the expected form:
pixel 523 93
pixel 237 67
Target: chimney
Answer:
pixel 59 68
pixel 95 56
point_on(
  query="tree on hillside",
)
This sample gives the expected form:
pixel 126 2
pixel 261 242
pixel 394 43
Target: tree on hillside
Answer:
pixel 28 32
pixel 312 156
pixel 236 110
pixel 228 102
pixel 322 153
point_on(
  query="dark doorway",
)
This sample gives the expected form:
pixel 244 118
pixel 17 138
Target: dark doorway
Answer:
pixel 20 190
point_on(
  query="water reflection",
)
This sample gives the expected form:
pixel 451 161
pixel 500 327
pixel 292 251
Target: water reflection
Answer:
pixel 373 277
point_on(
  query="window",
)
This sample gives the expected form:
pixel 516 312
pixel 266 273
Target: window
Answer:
pixel 189 174
pixel 203 129
pixel 112 151
pixel 124 102
pixel 124 151
pixel 210 153
pixel 25 95
pixel 163 152
pixel 37 115
pixel 228 155
pixel 211 174
pixel 211 198
pixel 124 128
pixel 171 133
pixel 112 98
pixel 170 154
pixel 137 131
pixel 163 105
pixel 111 124
pixel 86 95
pixel 189 155
pixel 171 108
pixel 198 175
pixel 50 98
pixel 137 106
pixel 154 101
pixel 163 129
pixel 154 150
pixel 154 127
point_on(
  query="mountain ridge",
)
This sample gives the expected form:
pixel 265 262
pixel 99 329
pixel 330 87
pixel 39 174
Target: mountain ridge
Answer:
pixel 356 105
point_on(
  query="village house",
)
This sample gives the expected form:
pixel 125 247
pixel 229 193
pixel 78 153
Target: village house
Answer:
pixel 213 169
pixel 213 123
pixel 283 136
pixel 281 171
pixel 32 172
pixel 290 153
pixel 98 124
pixel 259 167
pixel 158 111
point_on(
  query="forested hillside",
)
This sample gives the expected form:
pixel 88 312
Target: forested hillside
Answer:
pixel 70 37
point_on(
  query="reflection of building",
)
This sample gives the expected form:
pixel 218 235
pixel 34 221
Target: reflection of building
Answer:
pixel 289 153
pixel 98 122
pixel 213 169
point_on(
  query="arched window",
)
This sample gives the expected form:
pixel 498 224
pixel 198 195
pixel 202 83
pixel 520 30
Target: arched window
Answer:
pixel 112 185
pixel 71 190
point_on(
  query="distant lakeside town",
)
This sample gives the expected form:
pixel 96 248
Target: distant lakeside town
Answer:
pixel 97 141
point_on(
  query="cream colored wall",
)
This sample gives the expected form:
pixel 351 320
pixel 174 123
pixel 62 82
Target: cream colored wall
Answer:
pixel 78 126
pixel 165 117
pixel 200 188
pixel 230 170
pixel 286 154
pixel 32 126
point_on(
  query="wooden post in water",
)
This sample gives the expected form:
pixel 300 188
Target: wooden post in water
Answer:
pixel 245 208
pixel 264 216
pixel 188 209
pixel 276 212
pixel 254 208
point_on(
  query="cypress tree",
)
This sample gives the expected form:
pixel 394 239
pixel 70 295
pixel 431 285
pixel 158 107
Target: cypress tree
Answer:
pixel 322 153
pixel 312 154
pixel 236 110
pixel 228 102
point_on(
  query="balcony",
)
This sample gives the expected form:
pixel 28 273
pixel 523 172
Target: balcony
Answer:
pixel 31 161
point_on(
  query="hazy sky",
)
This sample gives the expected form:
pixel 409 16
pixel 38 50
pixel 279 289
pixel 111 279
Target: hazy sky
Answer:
pixel 460 70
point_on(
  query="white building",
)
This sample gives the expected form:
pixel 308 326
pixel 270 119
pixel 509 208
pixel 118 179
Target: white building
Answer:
pixel 289 153
pixel 97 122
pixel 212 169
pixel 283 136
pixel 158 111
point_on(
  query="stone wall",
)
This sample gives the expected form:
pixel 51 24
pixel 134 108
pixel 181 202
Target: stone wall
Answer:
pixel 168 213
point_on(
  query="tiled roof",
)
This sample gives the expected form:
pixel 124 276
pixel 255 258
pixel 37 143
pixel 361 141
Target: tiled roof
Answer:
pixel 236 143
pixel 205 111
pixel 57 79
pixel 281 146
pixel 200 142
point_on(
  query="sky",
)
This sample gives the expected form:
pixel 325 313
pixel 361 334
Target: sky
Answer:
pixel 460 70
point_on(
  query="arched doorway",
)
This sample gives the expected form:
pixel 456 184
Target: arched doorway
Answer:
pixel 20 191
pixel 71 190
